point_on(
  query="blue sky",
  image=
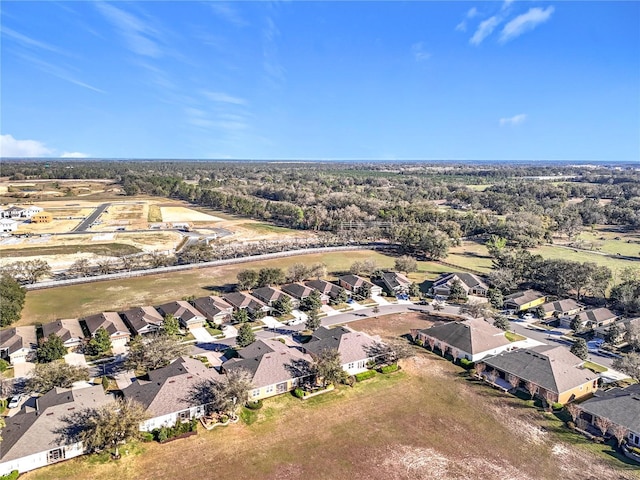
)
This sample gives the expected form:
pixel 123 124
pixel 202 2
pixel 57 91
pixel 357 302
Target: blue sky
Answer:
pixel 522 80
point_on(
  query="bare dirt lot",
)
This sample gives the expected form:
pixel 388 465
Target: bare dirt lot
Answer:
pixel 182 214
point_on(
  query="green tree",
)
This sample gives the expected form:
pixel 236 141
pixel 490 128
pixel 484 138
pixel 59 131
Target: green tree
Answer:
pixel 46 376
pixel 268 277
pixel 364 292
pixel 282 306
pixel 51 349
pixel 236 388
pixel 328 367
pixel 297 272
pixel 613 334
pixel 575 324
pixel 154 351
pixel 502 323
pixel 629 364
pixel 240 316
pixel 496 299
pixel 107 426
pixel 495 245
pixel 580 349
pixel 246 336
pixel 456 292
pixel 341 297
pixel 406 264
pixel 312 302
pixel 11 300
pixel 100 344
pixel 247 279
pixel 170 325
pixel 313 320
pixel 414 290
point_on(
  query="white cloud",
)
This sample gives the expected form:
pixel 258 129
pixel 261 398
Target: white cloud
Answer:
pixel 473 11
pixel 525 22
pixel 419 52
pixel 515 120
pixel 10 147
pixel 30 42
pixel 221 97
pixel 461 27
pixel 134 30
pixel 227 12
pixel 74 155
pixel 58 71
pixel 485 29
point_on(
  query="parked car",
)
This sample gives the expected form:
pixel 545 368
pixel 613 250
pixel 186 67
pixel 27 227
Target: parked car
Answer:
pixel 15 401
pixel 528 316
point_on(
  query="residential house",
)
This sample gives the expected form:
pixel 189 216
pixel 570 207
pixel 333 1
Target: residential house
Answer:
pixel 567 307
pixel 299 292
pixel 356 349
pixel 549 368
pixel 142 320
pixel 214 308
pixel 620 405
pixel 327 290
pixel 113 324
pixel 268 295
pixel 470 283
pixel 594 318
pixel 169 394
pixel 14 212
pixel 31 210
pixel 42 217
pixel 30 441
pixel 353 283
pixel 7 225
pixel 69 331
pixel 397 283
pixel 17 344
pixel 622 327
pixel 184 312
pixel 242 301
pixel 521 301
pixel 275 368
pixel 471 339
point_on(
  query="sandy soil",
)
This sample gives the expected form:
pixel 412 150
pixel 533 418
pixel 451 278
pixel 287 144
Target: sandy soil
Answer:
pixel 182 214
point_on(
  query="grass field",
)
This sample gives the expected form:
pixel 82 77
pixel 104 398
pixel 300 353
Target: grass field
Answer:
pixel 425 422
pixel 267 227
pixel 53 303
pixel 557 252
pixel 613 242
pixel 107 249
pixel 155 214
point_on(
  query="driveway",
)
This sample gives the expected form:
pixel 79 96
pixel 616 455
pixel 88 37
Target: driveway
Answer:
pixel 201 335
pixel 75 359
pixel 23 369
pixel 380 300
pixel 301 317
pixel 271 322
pixel 328 310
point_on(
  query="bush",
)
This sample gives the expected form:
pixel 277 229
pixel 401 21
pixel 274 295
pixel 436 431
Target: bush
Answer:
pixel 364 375
pixel 557 406
pixel 468 364
pixel 254 405
pixel 419 342
pixel 389 368
pixel 298 392
pixel 105 382
pixel 571 425
pixel 162 434
pixel 13 475
pixel 147 437
pixel 3 368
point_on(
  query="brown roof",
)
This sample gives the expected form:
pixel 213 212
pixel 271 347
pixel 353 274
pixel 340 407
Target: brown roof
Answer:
pixel 324 287
pixel 564 305
pixel 110 321
pixel 596 315
pixel 471 336
pixel 13 339
pixel 141 317
pixel 243 300
pixel 211 306
pixel 352 346
pixel 181 310
pixel 68 329
pixel 520 298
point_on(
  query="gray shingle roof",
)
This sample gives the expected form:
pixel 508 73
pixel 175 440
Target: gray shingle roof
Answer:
pixel 468 280
pixel 470 336
pixel 520 298
pixel 32 432
pixel 560 306
pixel 268 294
pixel 13 339
pixel 597 315
pixel 68 329
pixel 211 306
pixel 181 310
pixel 297 290
pixel 553 368
pixel 140 317
pixel 324 287
pixel 620 405
pixel 354 280
pixel 110 321
pixel 352 346
pixel 243 300
pixel 394 280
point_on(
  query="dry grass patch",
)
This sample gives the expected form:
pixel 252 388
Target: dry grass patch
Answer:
pixel 183 214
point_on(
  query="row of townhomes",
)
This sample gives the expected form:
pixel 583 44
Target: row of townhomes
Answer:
pixel 30 441
pixel 19 343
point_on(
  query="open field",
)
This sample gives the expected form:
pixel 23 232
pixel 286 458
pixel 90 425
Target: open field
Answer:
pixel 45 189
pixel 425 422
pixel 182 214
pixel 106 249
pixel 605 240
pixel 557 252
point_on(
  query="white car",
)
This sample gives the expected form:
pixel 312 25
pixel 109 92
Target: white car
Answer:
pixel 15 401
pixel 528 316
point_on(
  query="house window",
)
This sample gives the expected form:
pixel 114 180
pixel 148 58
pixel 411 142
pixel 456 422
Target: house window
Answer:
pixel 55 455
pixel 282 387
pixel 362 363
pixel 255 393
pixel 184 415
pixel 351 365
pixel 269 389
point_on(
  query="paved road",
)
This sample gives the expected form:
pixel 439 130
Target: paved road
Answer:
pixel 86 223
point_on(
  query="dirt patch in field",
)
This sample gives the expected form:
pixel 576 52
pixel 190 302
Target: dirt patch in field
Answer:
pixel 182 214
pixel 394 325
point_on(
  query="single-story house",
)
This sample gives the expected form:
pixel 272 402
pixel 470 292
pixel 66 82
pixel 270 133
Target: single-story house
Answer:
pixel 113 324
pixel 471 339
pixel 549 368
pixel 621 325
pixel 471 284
pixel 241 301
pixel 327 290
pixel 356 348
pixel 275 368
pixel 397 283
pixel 561 308
pixel 214 308
pixel 143 320
pixel 42 217
pixel 597 317
pixel 168 394
pixel 521 301
pixel 8 225
pixel 18 343
pixel 353 283
pixel 298 291
pixel 620 405
pixel 30 441
pixel 268 295
pixel 69 330
pixel 184 312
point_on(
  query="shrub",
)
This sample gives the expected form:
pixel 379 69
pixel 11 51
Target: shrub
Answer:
pixel 147 437
pixel 3 368
pixel 254 405
pixel 389 368
pixel 298 392
pixel 224 418
pixel 571 425
pixel 163 434
pixel 364 375
pixel 13 475
pixel 557 406
pixel 468 364
pixel 419 342
pixel 105 382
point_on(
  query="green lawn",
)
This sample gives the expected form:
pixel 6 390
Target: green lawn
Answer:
pixel 603 240
pixel 514 337
pixel 561 253
pixel 267 227
pixel 596 368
